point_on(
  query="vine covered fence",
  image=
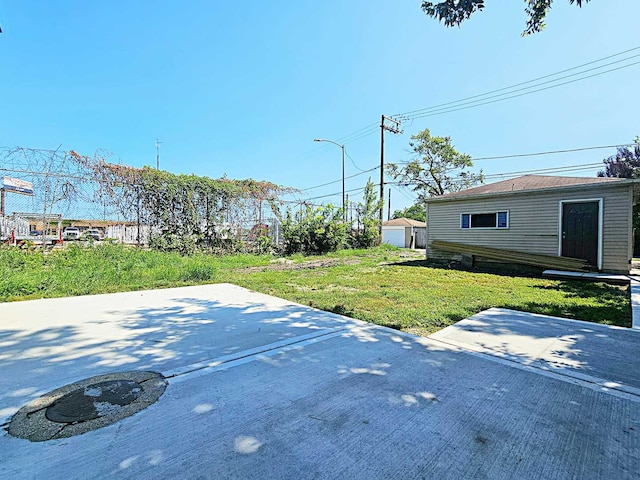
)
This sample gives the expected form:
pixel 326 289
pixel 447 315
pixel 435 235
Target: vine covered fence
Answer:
pixel 52 193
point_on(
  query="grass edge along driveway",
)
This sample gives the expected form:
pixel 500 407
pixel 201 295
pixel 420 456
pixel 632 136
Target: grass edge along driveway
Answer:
pixel 384 285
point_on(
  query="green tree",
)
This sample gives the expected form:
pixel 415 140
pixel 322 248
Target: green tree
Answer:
pixel 415 212
pixel 366 234
pixel 626 164
pixel 454 12
pixel 437 168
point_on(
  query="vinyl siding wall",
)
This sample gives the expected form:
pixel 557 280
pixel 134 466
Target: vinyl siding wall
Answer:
pixel 533 223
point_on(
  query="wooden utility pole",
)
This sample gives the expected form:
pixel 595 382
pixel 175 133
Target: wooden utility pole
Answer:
pixel 394 127
pixel 158 154
pixel 389 209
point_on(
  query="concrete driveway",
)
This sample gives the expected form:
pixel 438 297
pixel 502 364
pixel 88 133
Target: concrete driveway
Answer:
pixel 259 387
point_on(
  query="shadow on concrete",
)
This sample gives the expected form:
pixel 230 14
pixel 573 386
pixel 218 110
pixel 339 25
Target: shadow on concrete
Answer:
pixel 193 330
pixel 369 402
pixel 574 347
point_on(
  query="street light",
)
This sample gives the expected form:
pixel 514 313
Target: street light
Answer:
pixel 344 210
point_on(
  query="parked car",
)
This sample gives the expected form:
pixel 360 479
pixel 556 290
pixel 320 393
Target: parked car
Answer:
pixel 93 234
pixel 71 233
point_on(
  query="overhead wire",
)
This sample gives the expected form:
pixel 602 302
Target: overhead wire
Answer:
pixel 340 179
pixel 553 152
pixel 403 192
pixel 565 168
pixel 520 94
pixel 484 99
pixel 420 110
pixel 361 189
pixel 353 162
pixel 549 152
pixel 357 132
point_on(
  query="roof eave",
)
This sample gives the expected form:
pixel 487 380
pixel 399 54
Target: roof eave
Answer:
pixel 579 186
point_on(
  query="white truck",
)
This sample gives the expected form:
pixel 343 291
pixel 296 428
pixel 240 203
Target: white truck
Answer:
pixel 71 233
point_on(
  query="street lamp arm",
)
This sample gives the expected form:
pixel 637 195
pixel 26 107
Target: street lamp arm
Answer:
pixel 330 141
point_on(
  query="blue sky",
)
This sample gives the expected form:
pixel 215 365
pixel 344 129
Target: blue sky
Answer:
pixel 243 88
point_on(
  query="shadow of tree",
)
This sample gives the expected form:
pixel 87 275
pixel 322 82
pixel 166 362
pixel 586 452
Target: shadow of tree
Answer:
pixel 180 331
pixel 369 391
pixel 550 343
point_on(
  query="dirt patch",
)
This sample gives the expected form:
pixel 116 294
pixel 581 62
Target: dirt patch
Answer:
pixel 313 264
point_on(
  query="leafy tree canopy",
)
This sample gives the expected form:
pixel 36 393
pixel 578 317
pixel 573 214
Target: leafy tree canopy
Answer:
pixel 454 12
pixel 624 164
pixel 437 167
pixel 415 212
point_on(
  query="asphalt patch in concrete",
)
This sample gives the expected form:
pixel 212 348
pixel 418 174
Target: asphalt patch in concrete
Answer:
pixel 86 405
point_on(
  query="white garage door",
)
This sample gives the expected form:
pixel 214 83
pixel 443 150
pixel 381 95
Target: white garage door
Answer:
pixel 393 236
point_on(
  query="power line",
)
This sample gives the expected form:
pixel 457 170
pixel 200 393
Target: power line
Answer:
pixel 456 105
pixel 402 192
pixel 432 110
pixel 566 168
pixel 409 113
pixel 339 180
pixel 550 152
pixel 521 94
pixel 353 162
pixel 361 189
pixel 500 157
pixel 344 139
pixel 364 134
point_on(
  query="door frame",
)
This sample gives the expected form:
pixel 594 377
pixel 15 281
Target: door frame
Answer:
pixel 600 223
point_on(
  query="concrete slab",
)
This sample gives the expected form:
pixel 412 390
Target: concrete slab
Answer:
pixel 635 302
pixel 589 276
pixel 600 354
pixel 297 393
pixel 47 343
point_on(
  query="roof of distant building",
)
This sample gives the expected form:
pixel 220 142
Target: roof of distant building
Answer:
pixel 403 222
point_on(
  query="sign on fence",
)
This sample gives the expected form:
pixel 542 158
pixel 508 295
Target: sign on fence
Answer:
pixel 16 185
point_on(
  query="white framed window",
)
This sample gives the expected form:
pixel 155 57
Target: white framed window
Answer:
pixel 492 220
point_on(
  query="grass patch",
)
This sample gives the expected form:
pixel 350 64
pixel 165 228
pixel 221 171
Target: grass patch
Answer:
pixel 379 285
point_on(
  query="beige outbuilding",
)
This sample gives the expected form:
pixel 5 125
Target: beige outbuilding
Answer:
pixel 578 217
pixel 404 233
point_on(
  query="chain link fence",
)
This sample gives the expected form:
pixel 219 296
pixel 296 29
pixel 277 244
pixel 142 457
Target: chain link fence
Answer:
pixel 52 196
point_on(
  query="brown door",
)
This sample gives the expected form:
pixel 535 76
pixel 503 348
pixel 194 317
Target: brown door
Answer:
pixel 580 231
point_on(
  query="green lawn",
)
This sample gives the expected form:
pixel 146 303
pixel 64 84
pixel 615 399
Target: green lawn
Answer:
pixel 380 285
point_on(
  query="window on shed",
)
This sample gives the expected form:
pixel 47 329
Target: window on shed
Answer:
pixel 485 220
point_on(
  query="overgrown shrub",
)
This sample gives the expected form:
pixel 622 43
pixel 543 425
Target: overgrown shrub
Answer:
pixel 314 230
pixel 324 229
pixel 366 232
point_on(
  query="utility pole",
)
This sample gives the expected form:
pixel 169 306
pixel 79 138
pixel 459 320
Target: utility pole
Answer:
pixel 392 126
pixel 347 210
pixel 158 154
pixel 389 209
